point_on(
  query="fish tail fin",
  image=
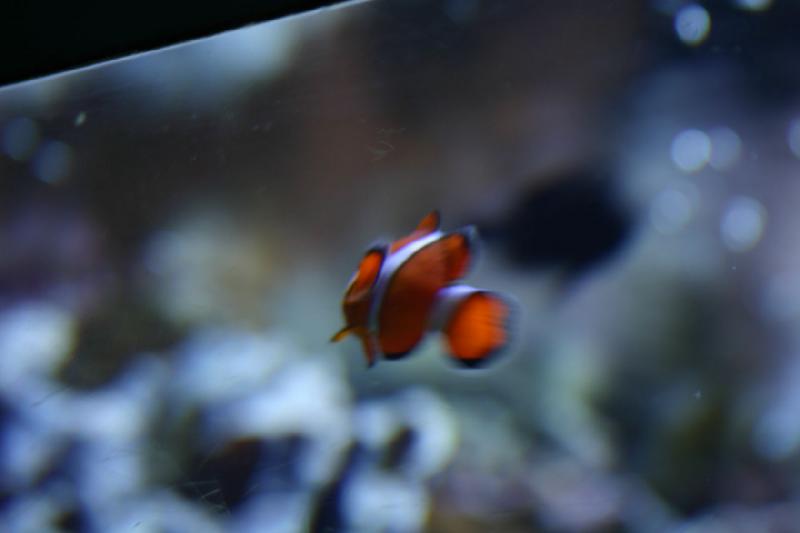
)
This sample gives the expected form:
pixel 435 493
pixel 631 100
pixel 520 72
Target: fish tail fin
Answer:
pixel 476 323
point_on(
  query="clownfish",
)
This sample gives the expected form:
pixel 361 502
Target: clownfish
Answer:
pixel 403 289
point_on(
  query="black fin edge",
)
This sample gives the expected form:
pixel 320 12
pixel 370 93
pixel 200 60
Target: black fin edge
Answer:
pixel 396 356
pixel 511 325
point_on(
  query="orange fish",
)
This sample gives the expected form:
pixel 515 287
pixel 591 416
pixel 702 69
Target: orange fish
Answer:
pixel 403 289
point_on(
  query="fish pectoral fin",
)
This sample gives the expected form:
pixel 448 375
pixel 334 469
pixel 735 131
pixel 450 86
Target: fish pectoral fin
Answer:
pixel 342 333
pixel 370 349
pixel 367 341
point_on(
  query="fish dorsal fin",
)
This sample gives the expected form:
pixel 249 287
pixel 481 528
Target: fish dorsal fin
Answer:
pixel 430 223
pixel 367 273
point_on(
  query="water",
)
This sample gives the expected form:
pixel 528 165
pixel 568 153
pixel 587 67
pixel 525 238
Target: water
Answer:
pixel 178 228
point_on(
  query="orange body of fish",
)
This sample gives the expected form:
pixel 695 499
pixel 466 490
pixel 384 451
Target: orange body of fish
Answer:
pixel 404 289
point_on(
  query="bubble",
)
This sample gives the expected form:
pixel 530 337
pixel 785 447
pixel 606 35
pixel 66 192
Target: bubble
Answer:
pixel 20 138
pixel 754 5
pixel 52 162
pixel 80 119
pixel 726 148
pixel 793 137
pixel 670 211
pixel 692 24
pixel 742 224
pixel 691 150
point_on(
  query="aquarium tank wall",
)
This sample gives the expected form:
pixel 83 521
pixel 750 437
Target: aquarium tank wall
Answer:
pixel 178 229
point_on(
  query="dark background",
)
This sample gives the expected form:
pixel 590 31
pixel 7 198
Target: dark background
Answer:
pixel 38 38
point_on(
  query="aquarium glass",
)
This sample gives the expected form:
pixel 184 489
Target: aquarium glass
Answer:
pixel 178 228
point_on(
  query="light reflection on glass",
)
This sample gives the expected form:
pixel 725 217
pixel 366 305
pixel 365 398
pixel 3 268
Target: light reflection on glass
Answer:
pixel 692 24
pixel 742 224
pixel 793 137
pixel 52 162
pixel 691 150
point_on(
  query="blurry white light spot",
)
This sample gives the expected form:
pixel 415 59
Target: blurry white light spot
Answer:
pixel 742 224
pixel 20 137
pixel 691 150
pixel 754 5
pixel 53 162
pixel 726 148
pixel 670 211
pixel 80 119
pixel 692 24
pixel 793 137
